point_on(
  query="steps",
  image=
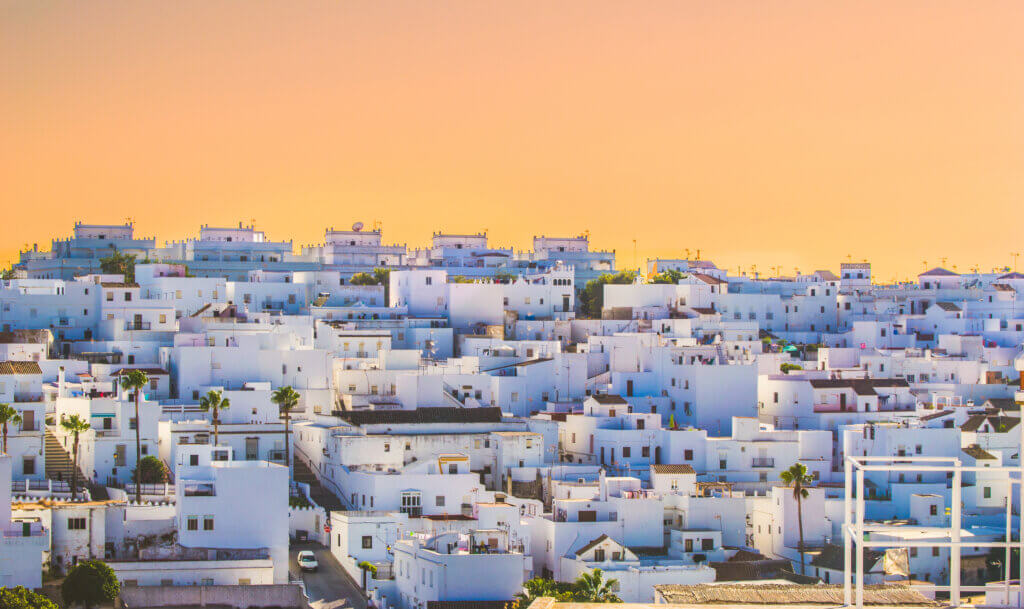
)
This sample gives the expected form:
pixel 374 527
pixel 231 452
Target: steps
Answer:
pixel 59 465
pixel 323 497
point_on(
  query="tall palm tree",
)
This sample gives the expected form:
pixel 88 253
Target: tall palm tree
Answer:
pixel 8 415
pixel 135 380
pixel 75 425
pixel 286 399
pixel 594 588
pixel 797 477
pixel 214 402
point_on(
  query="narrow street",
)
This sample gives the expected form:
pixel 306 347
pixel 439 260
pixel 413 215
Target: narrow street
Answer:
pixel 329 587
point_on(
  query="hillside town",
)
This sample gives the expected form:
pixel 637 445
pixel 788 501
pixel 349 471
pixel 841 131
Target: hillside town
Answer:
pixel 364 424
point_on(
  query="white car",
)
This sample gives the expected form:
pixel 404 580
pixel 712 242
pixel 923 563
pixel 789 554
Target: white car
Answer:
pixel 307 561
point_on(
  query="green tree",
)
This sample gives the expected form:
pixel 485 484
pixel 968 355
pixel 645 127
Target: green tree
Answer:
pixel 75 426
pixel 91 582
pixel 154 471
pixel 594 588
pixel 214 402
pixel 8 415
pixel 797 477
pixel 540 587
pixel 668 276
pixel 592 296
pixel 286 399
pixel 23 598
pixel 118 263
pixel 459 279
pixel 787 367
pixel 363 279
pixel 134 380
pixel 383 277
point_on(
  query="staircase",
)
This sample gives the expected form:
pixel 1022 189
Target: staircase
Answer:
pixel 59 466
pixel 323 497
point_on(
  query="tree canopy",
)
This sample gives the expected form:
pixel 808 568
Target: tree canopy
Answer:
pixel 592 296
pixel 154 471
pixel 667 276
pixel 23 598
pixel 119 263
pixel 91 582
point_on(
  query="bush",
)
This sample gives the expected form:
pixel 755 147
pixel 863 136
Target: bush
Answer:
pixel 91 582
pixel 154 471
pixel 786 367
pixel 23 598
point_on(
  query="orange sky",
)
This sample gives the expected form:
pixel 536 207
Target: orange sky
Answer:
pixel 790 133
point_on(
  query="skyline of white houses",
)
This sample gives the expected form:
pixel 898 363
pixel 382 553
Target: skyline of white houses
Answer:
pixel 467 417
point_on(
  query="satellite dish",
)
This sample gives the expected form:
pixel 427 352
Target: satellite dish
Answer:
pixel 358 226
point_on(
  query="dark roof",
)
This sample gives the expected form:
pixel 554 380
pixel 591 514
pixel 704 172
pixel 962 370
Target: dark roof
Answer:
pixel 672 468
pixel 859 386
pixel 20 368
pixel 609 399
pixel 938 272
pixel 26 336
pixel 592 543
pixel 117 284
pixel 1013 275
pixel 831 557
pixel 746 555
pixel 974 422
pixel 423 416
pixel 788 594
pixel 705 310
pixel 1008 404
pixel 1002 287
pixel 948 306
pixel 979 453
pixel 749 570
pixel 936 415
pixel 446 517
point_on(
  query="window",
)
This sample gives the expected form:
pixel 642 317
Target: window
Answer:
pixel 28 466
pixel 625 452
pixel 76 524
pixel 913 551
pixel 935 551
pixel 453 468
pixel 192 523
pixel 688 454
pixel 387 447
pixel 599 555
pixel 987 492
pixel 439 501
pixel 193 460
pixel 645 451
pixel 707 544
pixel 367 542
pixel 933 510
pixel 207 523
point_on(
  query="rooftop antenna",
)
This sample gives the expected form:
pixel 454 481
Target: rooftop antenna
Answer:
pixel 943 259
pixel 925 263
pixel 1015 255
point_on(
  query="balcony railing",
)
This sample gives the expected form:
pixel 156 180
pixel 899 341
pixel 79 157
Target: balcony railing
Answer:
pixel 835 407
pixel 199 489
pixel 763 462
pixel 137 325
pixel 27 396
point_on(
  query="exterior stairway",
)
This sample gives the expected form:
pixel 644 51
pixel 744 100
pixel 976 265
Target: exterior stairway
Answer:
pixel 323 497
pixel 59 466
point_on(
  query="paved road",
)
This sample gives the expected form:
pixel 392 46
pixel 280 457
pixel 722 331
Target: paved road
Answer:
pixel 330 587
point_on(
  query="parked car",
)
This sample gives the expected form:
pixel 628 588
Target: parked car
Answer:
pixel 307 561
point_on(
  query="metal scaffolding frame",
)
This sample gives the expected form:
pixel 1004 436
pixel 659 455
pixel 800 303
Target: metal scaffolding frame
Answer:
pixel 854 528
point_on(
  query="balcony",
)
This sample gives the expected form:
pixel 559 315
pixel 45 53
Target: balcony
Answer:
pixel 137 325
pixel 763 462
pixel 835 407
pixel 27 396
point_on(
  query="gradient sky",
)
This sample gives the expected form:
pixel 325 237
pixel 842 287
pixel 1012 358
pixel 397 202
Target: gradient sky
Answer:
pixel 775 133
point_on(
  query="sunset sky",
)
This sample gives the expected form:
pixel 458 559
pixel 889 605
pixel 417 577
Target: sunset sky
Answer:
pixel 772 133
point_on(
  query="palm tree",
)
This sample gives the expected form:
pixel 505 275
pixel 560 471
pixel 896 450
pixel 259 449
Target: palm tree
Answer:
pixel 594 588
pixel 213 401
pixel 8 415
pixel 134 380
pixel 797 477
pixel 75 426
pixel 286 399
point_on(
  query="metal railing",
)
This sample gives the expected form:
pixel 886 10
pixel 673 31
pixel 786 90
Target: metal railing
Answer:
pixel 763 462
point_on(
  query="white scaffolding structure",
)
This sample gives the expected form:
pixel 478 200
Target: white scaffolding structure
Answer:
pixel 854 527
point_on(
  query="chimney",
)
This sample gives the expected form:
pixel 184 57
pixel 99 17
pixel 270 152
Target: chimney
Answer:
pixel 60 382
